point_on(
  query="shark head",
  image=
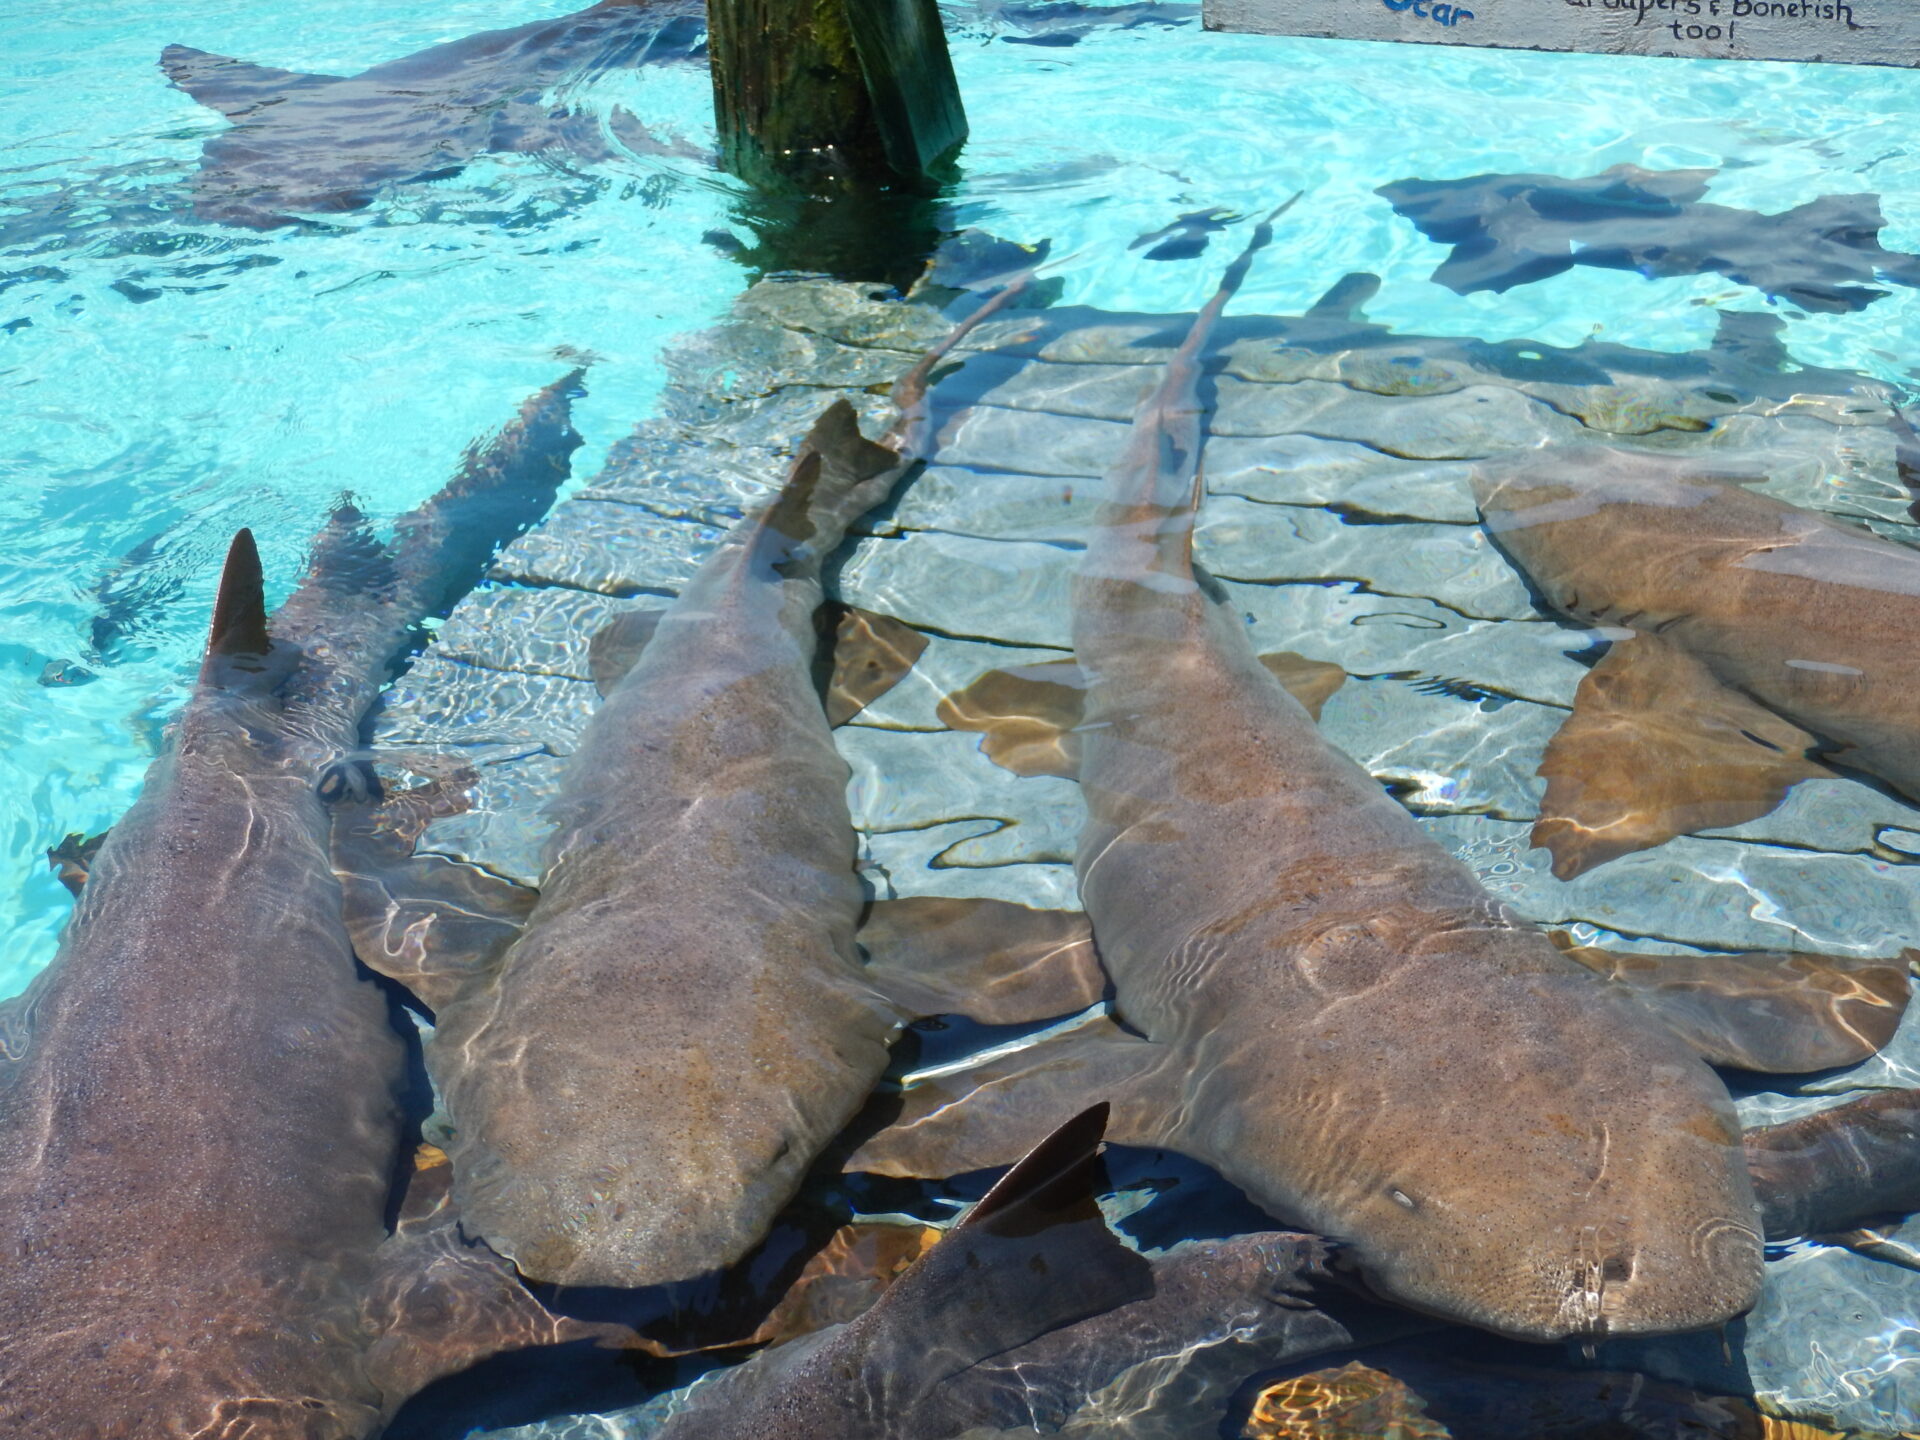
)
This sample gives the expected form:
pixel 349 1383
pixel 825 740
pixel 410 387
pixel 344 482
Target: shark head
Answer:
pixel 1560 1262
pixel 1541 1164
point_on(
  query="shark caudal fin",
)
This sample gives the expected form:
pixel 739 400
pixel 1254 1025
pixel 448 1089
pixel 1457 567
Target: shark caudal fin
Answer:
pixel 505 486
pixel 237 641
pixel 837 476
pixel 355 614
pixel 233 87
pixel 1034 1255
pixel 1154 488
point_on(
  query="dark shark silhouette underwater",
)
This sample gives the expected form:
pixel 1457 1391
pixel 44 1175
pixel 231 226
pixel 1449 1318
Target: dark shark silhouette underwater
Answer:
pixel 325 144
pixel 1509 230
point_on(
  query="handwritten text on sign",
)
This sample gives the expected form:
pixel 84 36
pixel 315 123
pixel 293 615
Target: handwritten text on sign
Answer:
pixel 1855 32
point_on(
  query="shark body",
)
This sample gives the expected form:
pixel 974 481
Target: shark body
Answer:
pixel 305 144
pixel 200 1139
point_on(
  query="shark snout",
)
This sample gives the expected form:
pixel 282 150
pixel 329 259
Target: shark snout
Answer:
pixel 1561 1279
pixel 1668 1285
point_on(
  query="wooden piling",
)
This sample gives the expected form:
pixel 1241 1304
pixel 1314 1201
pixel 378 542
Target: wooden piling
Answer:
pixel 829 95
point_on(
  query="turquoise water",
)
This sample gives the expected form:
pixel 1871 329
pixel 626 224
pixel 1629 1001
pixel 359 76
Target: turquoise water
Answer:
pixel 173 380
pixel 249 378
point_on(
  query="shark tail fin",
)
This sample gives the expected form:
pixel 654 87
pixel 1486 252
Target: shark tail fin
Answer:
pixel 443 547
pixel 831 484
pixel 839 474
pixel 238 639
pixel 1158 478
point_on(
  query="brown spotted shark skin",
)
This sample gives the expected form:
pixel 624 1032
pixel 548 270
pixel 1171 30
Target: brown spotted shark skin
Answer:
pixel 641 1081
pixel 1735 599
pixel 1371 1046
pixel 198 1122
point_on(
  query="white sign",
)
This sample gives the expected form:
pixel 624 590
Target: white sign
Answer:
pixel 1850 32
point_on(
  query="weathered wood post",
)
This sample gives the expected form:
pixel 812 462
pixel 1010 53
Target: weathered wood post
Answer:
pixel 827 95
pixel 843 115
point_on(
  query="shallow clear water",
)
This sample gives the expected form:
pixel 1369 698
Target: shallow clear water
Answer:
pixel 251 378
pixel 168 381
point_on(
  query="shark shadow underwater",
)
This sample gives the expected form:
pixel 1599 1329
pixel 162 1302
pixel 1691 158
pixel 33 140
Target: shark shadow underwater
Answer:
pixel 305 144
pixel 1509 230
pixel 1317 1000
pixel 200 1132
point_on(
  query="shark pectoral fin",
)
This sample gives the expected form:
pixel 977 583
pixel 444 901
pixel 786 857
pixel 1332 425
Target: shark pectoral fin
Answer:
pixel 992 961
pixel 233 87
pixel 1026 715
pixel 1875 1244
pixel 1772 1012
pixel 1835 1168
pixel 992 1113
pixel 439 1303
pixel 72 859
pixel 1657 747
pixel 871 654
pixel 1311 682
pixel 426 921
pixel 634 136
pixel 616 646
pixel 526 128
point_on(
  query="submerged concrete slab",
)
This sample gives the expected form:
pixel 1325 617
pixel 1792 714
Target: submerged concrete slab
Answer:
pixel 1341 524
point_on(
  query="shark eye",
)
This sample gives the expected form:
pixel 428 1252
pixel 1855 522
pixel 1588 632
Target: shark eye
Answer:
pixel 1400 1197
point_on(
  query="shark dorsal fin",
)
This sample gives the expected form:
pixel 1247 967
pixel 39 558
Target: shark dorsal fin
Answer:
pixel 239 629
pixel 1034 1255
pixel 1055 1181
pixel 233 87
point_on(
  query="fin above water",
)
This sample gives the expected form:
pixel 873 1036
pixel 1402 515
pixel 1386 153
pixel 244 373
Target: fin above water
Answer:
pixel 990 1114
pixel 827 488
pixel 237 640
pixel 72 859
pixel 427 921
pixel 1657 747
pixel 994 962
pixel 1347 297
pixel 1026 714
pixel 1034 1254
pixel 1771 1012
pixel 233 87
pixel 871 654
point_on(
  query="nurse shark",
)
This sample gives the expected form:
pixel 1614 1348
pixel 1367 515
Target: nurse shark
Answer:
pixel 200 1138
pixel 679 1023
pixel 1509 230
pixel 1327 1007
pixel 304 144
pixel 1758 644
